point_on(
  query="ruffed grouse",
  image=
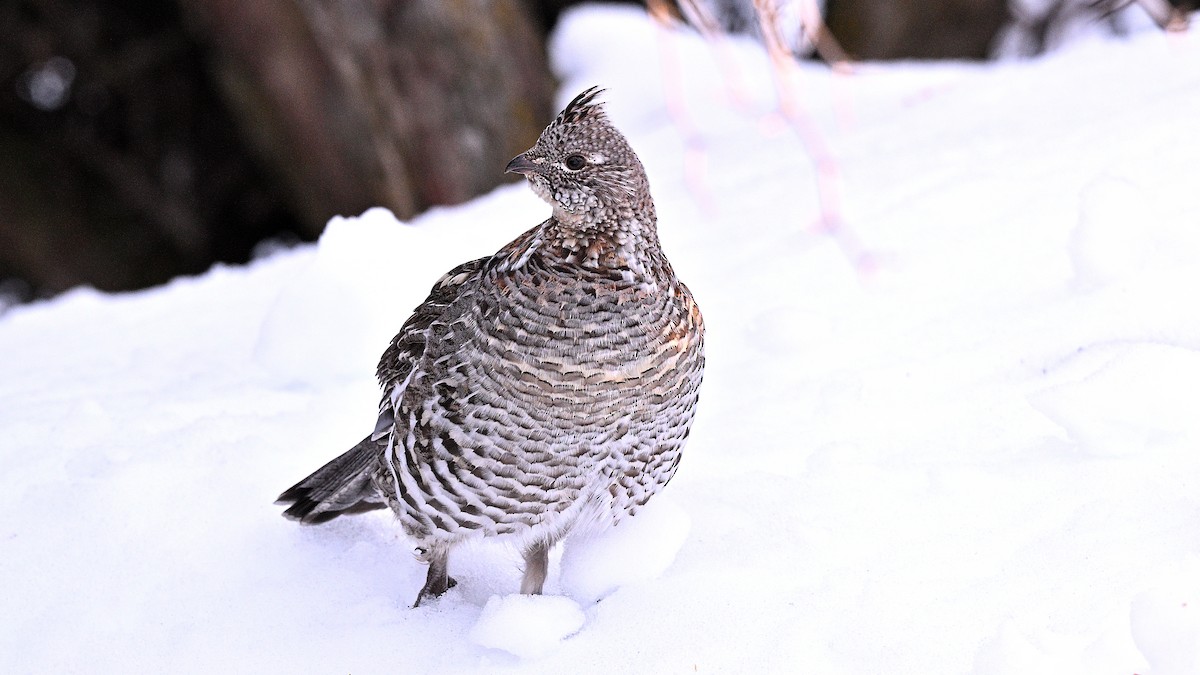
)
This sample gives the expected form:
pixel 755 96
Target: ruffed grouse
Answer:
pixel 538 389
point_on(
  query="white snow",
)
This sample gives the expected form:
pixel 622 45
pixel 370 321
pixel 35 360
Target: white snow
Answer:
pixel 526 626
pixel 597 563
pixel 1166 622
pixel 953 428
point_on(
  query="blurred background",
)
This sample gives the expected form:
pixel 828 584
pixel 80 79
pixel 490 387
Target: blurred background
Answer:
pixel 141 141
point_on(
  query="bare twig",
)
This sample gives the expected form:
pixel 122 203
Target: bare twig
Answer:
pixel 695 160
pixel 1168 16
pixel 703 21
pixel 1038 29
pixel 786 71
pixel 822 40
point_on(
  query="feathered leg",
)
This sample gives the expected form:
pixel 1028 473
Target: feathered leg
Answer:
pixel 537 562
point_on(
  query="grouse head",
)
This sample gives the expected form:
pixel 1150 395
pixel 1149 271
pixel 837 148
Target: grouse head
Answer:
pixel 583 167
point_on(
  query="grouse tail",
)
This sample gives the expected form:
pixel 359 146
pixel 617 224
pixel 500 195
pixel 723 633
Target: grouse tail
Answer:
pixel 341 487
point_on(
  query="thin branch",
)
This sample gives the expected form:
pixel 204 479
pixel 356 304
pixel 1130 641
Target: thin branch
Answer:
pixel 695 160
pixel 823 41
pixel 702 20
pixel 786 71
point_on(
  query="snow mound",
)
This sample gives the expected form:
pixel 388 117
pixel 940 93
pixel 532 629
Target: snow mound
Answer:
pixel 366 276
pixel 330 299
pixel 641 548
pixel 527 626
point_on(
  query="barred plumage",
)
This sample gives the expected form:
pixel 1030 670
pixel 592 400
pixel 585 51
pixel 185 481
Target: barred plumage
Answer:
pixel 540 388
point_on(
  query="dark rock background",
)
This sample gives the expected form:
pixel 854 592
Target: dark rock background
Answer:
pixel 140 141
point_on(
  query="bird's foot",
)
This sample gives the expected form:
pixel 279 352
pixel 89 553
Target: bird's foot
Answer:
pixel 432 591
pixel 437 579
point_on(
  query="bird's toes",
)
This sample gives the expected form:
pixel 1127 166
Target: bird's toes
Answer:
pixel 432 591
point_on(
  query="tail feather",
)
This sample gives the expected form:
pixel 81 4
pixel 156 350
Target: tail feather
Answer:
pixel 341 487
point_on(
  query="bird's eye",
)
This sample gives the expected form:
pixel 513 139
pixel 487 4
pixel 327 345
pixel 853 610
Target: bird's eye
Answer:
pixel 576 162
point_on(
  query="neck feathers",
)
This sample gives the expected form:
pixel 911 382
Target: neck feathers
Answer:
pixel 624 241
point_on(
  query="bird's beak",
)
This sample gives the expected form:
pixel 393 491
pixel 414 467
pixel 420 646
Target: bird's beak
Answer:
pixel 521 164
